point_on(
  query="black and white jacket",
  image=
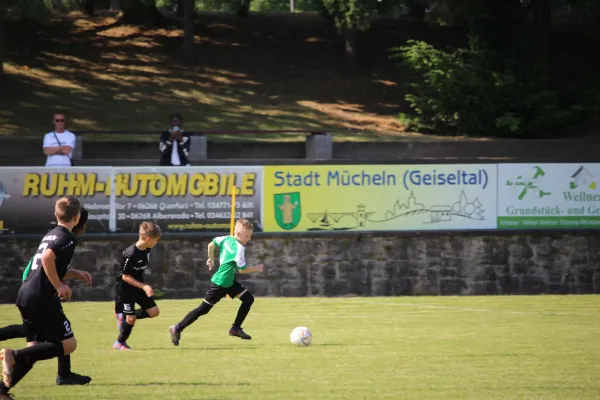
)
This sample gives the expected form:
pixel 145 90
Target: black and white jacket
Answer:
pixel 166 148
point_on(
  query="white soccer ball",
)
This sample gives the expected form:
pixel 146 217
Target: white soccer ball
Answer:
pixel 301 336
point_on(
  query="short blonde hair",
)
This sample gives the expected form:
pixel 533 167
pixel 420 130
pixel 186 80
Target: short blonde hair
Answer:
pixel 244 223
pixel 149 230
pixel 67 209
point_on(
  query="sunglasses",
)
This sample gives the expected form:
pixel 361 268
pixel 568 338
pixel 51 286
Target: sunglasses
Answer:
pixel 59 120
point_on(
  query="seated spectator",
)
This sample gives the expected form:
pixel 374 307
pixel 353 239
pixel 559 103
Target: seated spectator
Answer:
pixel 175 144
pixel 59 144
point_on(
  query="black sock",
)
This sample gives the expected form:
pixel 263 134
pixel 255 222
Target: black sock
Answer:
pixel 12 332
pixel 125 332
pixel 20 370
pixel 140 313
pixel 247 300
pixel 64 366
pixel 39 352
pixel 193 315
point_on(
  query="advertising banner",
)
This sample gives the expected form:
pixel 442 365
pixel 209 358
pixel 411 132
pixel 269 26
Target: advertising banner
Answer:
pixel 539 196
pixel 450 197
pixel 178 198
pixel 379 197
pixel 28 194
pixel 187 198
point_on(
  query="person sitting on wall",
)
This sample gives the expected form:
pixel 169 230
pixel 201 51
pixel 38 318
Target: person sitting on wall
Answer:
pixel 175 143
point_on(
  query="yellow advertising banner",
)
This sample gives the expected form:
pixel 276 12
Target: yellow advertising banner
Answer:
pixel 379 197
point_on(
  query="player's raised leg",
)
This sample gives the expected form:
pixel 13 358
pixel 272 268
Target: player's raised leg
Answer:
pixel 213 295
pixel 12 332
pixel 6 333
pixel 148 307
pixel 190 318
pixel 17 363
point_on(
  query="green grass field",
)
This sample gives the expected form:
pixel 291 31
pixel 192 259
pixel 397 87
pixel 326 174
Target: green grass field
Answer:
pixel 543 347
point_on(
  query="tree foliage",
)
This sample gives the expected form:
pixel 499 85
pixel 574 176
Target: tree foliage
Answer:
pixel 350 14
pixel 502 84
pixel 460 93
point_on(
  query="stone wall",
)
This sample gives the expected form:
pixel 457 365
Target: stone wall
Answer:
pixel 17 150
pixel 353 265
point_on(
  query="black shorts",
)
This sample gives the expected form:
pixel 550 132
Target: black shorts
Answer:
pixel 127 297
pixel 46 323
pixel 216 292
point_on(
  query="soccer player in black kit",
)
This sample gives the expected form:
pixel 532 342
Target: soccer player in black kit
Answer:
pixel 39 298
pixel 130 285
pixel 65 376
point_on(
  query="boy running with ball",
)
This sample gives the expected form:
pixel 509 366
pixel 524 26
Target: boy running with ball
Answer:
pixel 231 258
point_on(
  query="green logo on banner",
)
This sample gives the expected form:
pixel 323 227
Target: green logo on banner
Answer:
pixel 287 210
pixel 530 186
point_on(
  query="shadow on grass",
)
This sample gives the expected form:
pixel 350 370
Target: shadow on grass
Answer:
pixel 235 348
pixel 171 384
pixel 329 344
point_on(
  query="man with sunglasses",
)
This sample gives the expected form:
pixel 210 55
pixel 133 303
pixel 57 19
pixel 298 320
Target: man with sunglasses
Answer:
pixel 59 144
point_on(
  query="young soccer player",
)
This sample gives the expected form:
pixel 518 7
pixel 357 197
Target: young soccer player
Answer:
pixel 65 375
pixel 20 331
pixel 130 284
pixel 232 258
pixel 47 328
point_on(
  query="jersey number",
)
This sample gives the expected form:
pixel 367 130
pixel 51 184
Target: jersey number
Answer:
pixel 67 328
pixel 37 259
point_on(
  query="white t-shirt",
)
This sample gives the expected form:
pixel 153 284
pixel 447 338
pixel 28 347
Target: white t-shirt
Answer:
pixel 175 154
pixel 65 138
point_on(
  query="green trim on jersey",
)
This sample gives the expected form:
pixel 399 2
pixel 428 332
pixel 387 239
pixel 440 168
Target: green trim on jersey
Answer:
pixel 231 257
pixel 27 269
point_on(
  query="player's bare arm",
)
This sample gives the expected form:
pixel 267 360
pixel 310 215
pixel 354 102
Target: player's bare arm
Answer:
pixel 211 256
pixel 248 270
pixel 49 265
pixel 83 276
pixel 134 282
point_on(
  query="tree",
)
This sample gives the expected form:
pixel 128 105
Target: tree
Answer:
pixel 243 9
pixel 188 29
pixel 2 17
pixel 140 12
pixel 89 6
pixel 350 16
pixel 416 8
pixel 503 83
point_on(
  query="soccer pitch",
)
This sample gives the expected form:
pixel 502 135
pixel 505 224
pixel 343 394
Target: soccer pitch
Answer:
pixel 480 348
